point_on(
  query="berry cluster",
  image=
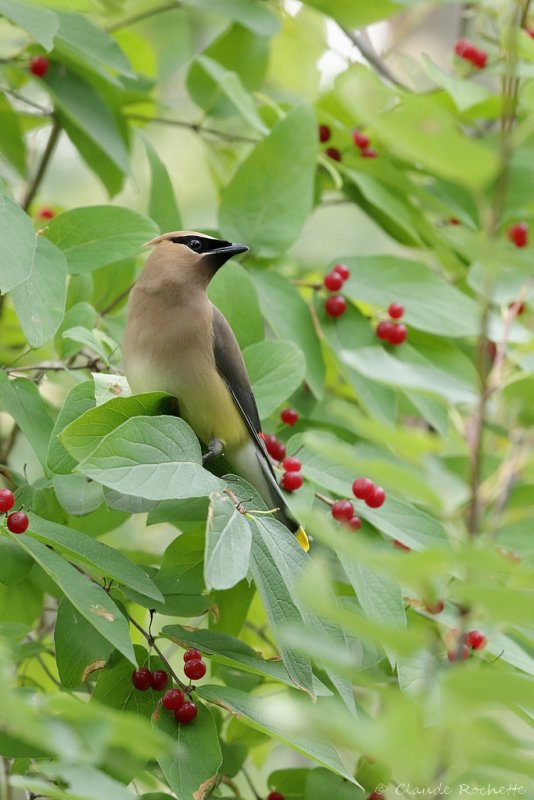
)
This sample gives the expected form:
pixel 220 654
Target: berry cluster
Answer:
pixel 467 50
pixel 18 521
pixel 393 332
pixel 144 679
pixel 518 234
pixel 474 640
pixel 194 666
pixel 363 489
pixel 292 478
pixel 362 142
pixel 174 699
pixel 45 213
pixel 38 66
pixel 376 796
pixel 335 305
pixel 275 796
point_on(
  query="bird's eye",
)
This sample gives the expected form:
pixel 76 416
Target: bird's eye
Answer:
pixel 195 244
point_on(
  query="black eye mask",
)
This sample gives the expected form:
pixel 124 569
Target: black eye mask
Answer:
pixel 200 244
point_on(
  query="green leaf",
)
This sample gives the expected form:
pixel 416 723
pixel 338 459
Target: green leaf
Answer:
pixel 100 557
pixel 21 399
pixel 40 300
pixel 378 365
pixel 114 686
pixel 88 598
pixel 231 652
pixel 79 647
pixel 234 294
pixel 322 783
pixel 228 541
pixel 289 316
pixel 426 298
pixel 82 314
pixel 157 458
pixel 83 42
pixel 87 430
pixel 11 138
pixel 96 159
pixel 264 715
pixel 41 23
pixel 192 770
pixel 276 369
pixel 19 243
pixel 254 15
pixel 230 84
pixel 94 236
pixel 88 112
pixel 84 783
pixel 356 15
pixel 162 207
pixel 77 495
pixel 464 92
pixel 181 577
pixel 108 387
pixel 15 564
pixel 80 399
pixel 270 197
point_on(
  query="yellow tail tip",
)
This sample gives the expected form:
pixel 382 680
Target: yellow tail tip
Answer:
pixel 302 538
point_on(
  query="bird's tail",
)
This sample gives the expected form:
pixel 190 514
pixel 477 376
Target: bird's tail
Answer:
pixel 252 463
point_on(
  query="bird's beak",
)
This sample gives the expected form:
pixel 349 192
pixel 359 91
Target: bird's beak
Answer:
pixel 231 249
pixel 220 255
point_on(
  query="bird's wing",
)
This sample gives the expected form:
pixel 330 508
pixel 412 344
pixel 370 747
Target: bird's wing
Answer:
pixel 231 367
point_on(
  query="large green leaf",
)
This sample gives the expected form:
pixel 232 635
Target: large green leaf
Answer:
pixel 11 138
pixel 79 647
pixel 162 207
pixel 94 236
pixel 233 292
pixel 99 557
pixel 352 14
pixel 276 369
pixel 89 599
pixel 88 112
pixel 19 243
pixel 251 14
pixel 15 564
pixel 263 714
pixel 270 197
pixel 81 41
pixel 192 770
pixel 114 686
pixel 21 399
pixel 229 83
pixel 228 541
pixel 86 431
pixel 79 400
pixel 41 23
pixel 154 457
pixel 40 300
pixel 288 315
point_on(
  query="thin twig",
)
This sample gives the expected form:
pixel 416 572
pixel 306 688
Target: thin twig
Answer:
pixel 142 15
pixel 33 187
pixel 372 57
pixel 45 111
pixel 260 633
pixel 231 785
pixel 249 781
pixel 7 769
pixel 116 301
pixel 194 126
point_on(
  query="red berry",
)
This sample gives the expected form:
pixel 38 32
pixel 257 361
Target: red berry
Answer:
pixel 195 669
pixel 324 133
pixel 398 334
pixel 17 522
pixel 342 510
pixel 275 448
pixel 377 499
pixel 517 307
pixel 384 329
pixel 192 654
pixel 362 488
pixel 401 546
pixel 275 796
pixel 368 152
pixel 377 796
pixel 396 311
pixel 186 713
pixel 476 640
pixel 173 699
pixel 452 655
pixel 518 234
pixel 335 305
pixel 530 32
pixel 435 608
pixel 465 49
pixel 291 481
pixel 289 416
pixel 454 221
pixel 159 680
pixel 333 152
pixel 46 213
pixel 360 139
pixel 479 59
pixel 333 281
pixel 291 464
pixel 141 679
pixel 342 270
pixel 7 500
pixel 39 66
pixel 354 523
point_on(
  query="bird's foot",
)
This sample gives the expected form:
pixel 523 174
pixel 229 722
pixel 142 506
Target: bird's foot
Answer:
pixel 215 449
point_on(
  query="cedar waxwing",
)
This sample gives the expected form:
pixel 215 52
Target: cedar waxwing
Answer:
pixel 177 341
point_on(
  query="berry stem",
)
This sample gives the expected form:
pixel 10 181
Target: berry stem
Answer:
pixel 153 644
pixel 34 185
pixel 249 781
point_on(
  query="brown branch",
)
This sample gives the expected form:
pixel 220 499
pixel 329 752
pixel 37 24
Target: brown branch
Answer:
pixel 372 57
pixel 33 187
pixel 196 127
pixel 142 15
